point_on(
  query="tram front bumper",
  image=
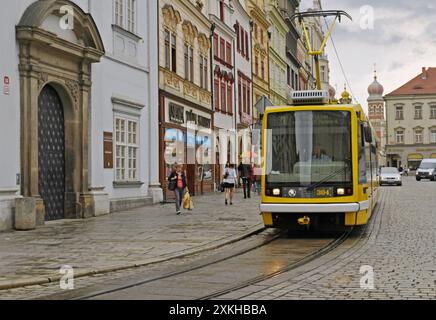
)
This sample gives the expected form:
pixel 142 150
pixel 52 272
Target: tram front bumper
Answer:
pixel 314 207
pixel 348 214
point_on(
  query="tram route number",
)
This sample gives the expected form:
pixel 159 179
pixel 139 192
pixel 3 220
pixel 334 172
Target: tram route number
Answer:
pixel 218 310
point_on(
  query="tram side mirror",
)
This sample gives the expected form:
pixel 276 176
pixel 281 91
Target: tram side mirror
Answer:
pixel 368 134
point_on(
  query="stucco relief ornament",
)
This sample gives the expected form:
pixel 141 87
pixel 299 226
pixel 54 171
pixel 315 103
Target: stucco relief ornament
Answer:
pixel 190 32
pixel 204 43
pixel 42 79
pixel 200 4
pixel 73 86
pixel 171 17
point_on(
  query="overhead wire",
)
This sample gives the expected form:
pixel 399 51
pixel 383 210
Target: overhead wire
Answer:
pixel 338 57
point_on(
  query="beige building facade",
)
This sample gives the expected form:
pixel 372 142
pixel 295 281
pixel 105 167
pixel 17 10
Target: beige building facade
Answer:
pixel 411 121
pixel 185 93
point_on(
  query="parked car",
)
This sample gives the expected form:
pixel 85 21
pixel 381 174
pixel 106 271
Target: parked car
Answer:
pixel 390 176
pixel 426 170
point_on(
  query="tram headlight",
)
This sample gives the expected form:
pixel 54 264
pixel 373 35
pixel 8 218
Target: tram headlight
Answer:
pixel 276 192
pixel 340 191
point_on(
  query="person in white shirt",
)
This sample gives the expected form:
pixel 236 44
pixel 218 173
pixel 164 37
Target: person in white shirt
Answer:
pixel 229 181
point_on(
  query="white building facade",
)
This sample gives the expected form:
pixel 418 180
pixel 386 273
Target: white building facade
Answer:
pixel 80 96
pixel 243 81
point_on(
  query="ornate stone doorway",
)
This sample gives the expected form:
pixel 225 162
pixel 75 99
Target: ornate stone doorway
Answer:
pixel 56 64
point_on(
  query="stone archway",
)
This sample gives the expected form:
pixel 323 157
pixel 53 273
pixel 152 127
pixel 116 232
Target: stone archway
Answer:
pixel 61 58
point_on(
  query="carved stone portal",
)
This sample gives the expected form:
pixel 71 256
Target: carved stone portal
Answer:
pixel 70 76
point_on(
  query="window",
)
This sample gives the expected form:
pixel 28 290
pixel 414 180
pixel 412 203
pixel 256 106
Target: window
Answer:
pixel 119 13
pixel 127 146
pixel 399 115
pixel 256 65
pixel 288 75
pixel 173 53
pixel 255 31
pixel 229 98
pixel 418 112
pixel 261 36
pixel 323 74
pixel 240 96
pixel 186 62
pixel 131 15
pixel 399 136
pixel 203 72
pixel 229 53
pixel 170 51
pixel 418 136
pixel 125 14
pixel 216 88
pixel 433 135
pixel 244 101
pixel 191 64
pixel 433 112
pixel 222 49
pixel 247 54
pixel 167 50
pixel 241 41
pixel 221 5
pixel 262 69
pixel 248 100
pixel 223 96
pixel 215 45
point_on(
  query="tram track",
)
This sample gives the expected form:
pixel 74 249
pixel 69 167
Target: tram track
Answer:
pixel 276 243
pixel 356 248
pixel 208 270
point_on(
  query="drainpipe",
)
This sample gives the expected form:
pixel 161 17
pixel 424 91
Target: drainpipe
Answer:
pixel 234 99
pixel 212 84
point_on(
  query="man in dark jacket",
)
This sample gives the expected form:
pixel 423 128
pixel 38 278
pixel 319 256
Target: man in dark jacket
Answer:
pixel 245 175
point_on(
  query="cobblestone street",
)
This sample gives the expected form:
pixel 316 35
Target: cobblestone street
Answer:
pixel 399 244
pixel 120 240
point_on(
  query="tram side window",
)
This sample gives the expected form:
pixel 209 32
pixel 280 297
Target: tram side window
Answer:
pixel 374 161
pixel 362 158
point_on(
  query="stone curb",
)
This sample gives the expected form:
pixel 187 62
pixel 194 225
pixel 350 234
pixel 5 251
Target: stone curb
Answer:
pixel 14 284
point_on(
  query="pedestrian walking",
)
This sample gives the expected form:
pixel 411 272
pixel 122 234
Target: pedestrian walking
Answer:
pixel 229 181
pixel 256 180
pixel 177 183
pixel 245 175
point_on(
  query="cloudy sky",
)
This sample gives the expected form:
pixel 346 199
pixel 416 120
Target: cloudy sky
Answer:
pixel 401 42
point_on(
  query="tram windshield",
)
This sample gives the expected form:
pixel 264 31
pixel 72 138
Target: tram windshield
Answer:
pixel 308 147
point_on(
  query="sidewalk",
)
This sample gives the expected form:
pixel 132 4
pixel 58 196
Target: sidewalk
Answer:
pixel 122 240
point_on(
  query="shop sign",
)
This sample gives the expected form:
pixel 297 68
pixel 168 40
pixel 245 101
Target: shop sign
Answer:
pixel 204 122
pixel 191 117
pixel 176 113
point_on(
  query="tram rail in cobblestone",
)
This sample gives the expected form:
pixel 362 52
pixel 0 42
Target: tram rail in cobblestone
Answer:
pixel 321 251
pixel 331 246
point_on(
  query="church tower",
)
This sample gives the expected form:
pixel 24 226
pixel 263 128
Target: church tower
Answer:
pixel 376 112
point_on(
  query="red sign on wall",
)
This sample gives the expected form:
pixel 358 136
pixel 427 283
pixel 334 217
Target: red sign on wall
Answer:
pixel 6 82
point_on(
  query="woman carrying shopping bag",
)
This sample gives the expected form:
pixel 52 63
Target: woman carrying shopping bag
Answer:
pixel 177 183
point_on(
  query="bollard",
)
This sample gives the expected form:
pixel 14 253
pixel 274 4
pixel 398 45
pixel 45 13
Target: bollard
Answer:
pixel 25 214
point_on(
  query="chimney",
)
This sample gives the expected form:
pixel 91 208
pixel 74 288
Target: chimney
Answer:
pixel 424 73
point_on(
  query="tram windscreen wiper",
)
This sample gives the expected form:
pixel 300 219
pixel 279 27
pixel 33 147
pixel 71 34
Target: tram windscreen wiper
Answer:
pixel 317 184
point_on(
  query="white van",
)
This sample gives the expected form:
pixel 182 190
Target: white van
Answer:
pixel 426 170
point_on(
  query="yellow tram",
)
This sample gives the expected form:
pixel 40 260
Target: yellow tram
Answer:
pixel 319 165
